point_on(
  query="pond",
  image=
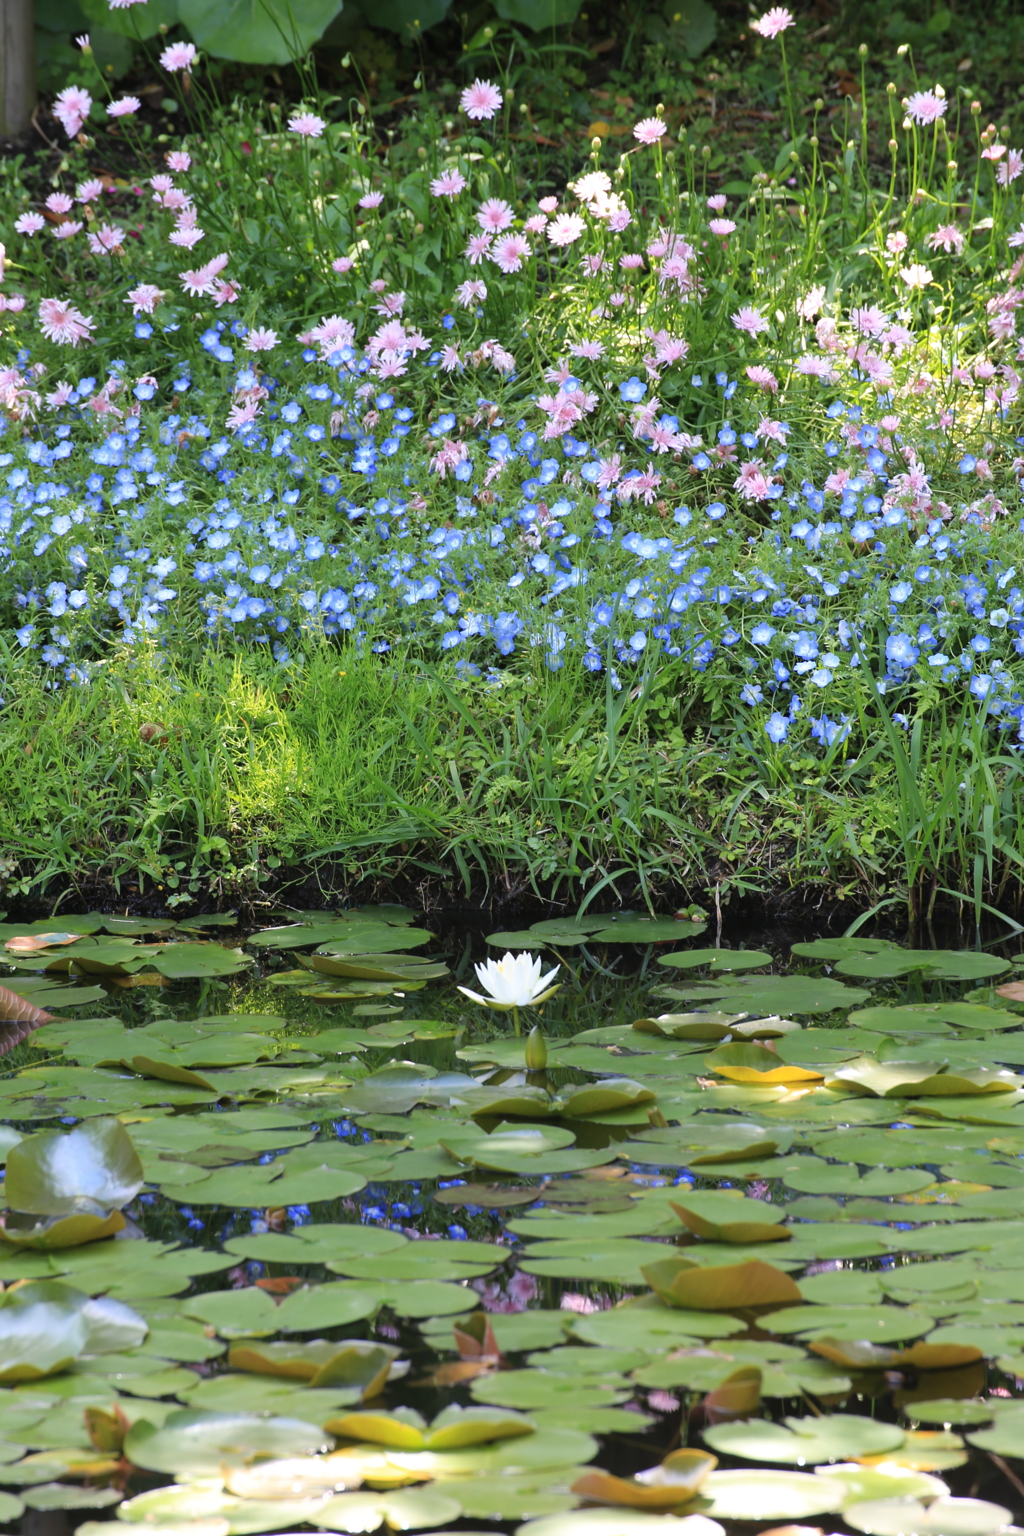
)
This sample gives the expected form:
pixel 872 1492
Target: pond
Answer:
pixel 299 1235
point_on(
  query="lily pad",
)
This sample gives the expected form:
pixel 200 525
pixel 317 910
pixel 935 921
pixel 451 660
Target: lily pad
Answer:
pixel 942 1517
pixel 200 1444
pixel 85 1171
pixel 806 1442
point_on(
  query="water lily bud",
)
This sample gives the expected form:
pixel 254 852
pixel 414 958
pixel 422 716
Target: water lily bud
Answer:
pixel 536 1050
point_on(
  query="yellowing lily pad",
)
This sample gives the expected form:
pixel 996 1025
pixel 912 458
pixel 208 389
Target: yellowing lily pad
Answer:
pixel 721 1288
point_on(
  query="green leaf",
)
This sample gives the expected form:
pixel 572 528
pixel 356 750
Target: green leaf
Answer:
pixel 717 960
pixel 806 1442
pixel 86 1171
pixel 257 31
pixel 539 15
pixel 200 1444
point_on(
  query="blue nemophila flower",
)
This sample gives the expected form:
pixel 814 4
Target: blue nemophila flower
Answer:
pixel 805 646
pixel 900 651
pixel 632 390
pixel 967 464
pixel 777 727
pixel 752 693
pixel 900 592
pixel 762 633
pixel 980 644
pixel 981 685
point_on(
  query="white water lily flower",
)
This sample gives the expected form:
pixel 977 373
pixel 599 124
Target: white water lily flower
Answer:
pixel 514 981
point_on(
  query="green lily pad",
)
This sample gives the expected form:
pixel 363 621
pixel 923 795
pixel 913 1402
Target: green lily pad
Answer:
pixel 85 1171
pixel 943 1517
pixel 942 964
pixel 753 1494
pixel 806 1442
pixel 717 960
pixel 408 1509
pixel 200 1444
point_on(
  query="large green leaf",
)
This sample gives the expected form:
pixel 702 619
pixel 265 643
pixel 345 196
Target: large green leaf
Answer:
pixel 200 1444
pixel 141 20
pixel 85 1171
pixel 258 31
pixel 538 15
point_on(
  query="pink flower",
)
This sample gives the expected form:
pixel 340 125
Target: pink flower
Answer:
pixel 717 203
pixel 534 225
pixel 72 108
pixel 811 302
pixel 106 239
pixel 448 184
pixel 1017 238
pixel 15 303
pixel 187 237
pixel 632 262
pixel 763 378
pixel 83 42
pixel 869 320
pixel 649 130
pixel 925 107
pixel 591 350
pixel 259 340
pixel 750 320
pixel 160 184
pixel 481 100
pixel 752 483
pixel 565 229
pixel 333 332
pixel 30 223
pixel 62 322
pixel 371 200
pixel 814 367
pixel 125 107
pixel 450 359
pixel 242 414
pixel 342 264
pixel 494 215
pixel 178 159
pixel 592 185
pixel 548 204
pixel 59 202
pixel 225 293
pixel 470 293
pixel 201 280
pixel 179 56
pixel 61 395
pixel 67 230
pixel 477 247
pixel 772 22
pixel 144 298
pixel 89 191
pixel 916 275
pixel 1011 168
pixel 510 252
pixel 721 227
pixel 307 124
pixel 123 5
pixel 448 455
pixel 948 237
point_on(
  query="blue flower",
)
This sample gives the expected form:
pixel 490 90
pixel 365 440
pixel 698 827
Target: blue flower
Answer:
pixel 776 727
pixel 752 693
pixel 632 390
pixel 805 646
pixel 980 644
pixel 761 633
pixel 901 651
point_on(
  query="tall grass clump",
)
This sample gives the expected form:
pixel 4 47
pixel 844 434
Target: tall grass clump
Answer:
pixel 658 529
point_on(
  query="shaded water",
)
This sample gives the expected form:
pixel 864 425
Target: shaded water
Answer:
pixel 903 1217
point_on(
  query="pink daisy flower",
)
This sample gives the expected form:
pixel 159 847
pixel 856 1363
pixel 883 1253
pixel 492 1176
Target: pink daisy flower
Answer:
pixel 59 202
pixel 649 130
pixel 494 215
pixel 925 107
pixel 448 184
pixel 565 229
pixel 307 125
pixel 71 108
pixel 1011 168
pixel 469 293
pixel 591 350
pixel 548 204
pixel 125 107
pixel 201 280
pixel 259 340
pixel 772 22
pixel 917 275
pixel 535 224
pixel 477 247
pixel 63 323
pixel 67 230
pixel 948 237
pixel 179 56
pixel 481 100
pixel 371 200
pixel 187 238
pixel 721 227
pixel 89 191
pixel 749 319
pixel 717 203
pixel 30 223
pixel 106 239
pixel 631 262
pixel 342 264
pixel 144 298
pixel 510 252
pixel 178 159
pixel 763 378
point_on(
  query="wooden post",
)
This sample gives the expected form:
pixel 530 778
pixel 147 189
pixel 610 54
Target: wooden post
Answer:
pixel 17 67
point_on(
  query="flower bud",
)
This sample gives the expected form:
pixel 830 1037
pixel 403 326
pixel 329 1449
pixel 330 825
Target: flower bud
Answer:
pixel 536 1050
pixel 863 50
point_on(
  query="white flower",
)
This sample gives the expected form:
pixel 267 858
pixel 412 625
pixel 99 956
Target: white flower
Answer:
pixel 514 981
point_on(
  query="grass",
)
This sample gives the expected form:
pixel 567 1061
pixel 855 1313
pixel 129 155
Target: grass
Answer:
pixel 221 783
